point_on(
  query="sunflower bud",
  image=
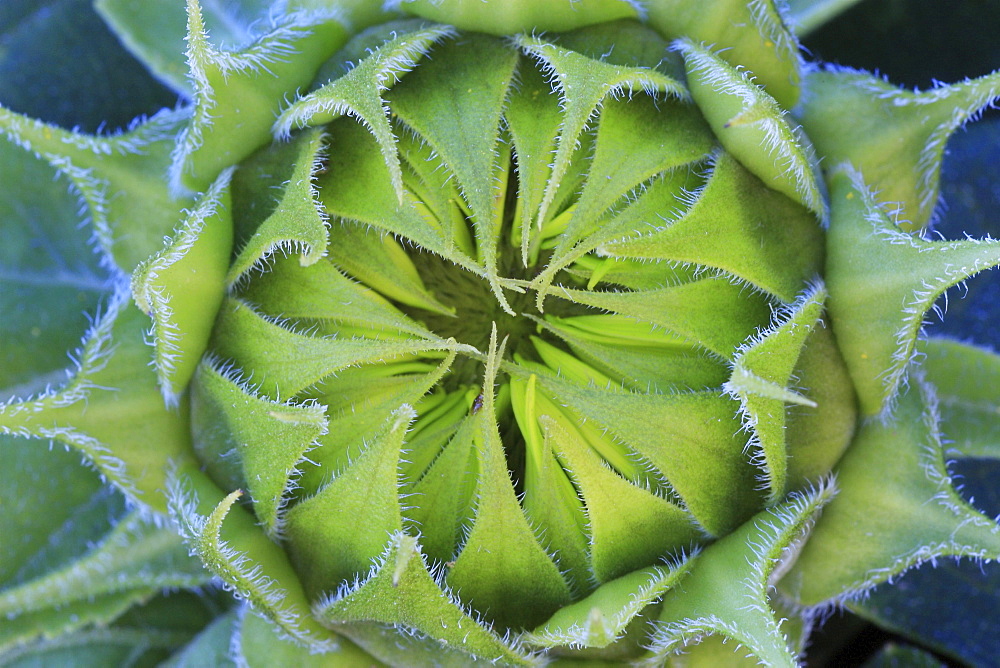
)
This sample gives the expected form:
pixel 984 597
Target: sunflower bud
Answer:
pixel 483 343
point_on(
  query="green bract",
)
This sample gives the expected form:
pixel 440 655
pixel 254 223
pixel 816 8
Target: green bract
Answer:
pixel 492 332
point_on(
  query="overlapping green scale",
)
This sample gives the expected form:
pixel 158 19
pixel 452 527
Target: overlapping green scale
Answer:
pixel 636 354
pixel 327 545
pixel 817 436
pixel 713 312
pixel 895 138
pixel 442 497
pixel 305 360
pixel 420 603
pixel 897 508
pixel 636 142
pixel 252 442
pixel 454 104
pixel 357 403
pixel 756 34
pixel 183 284
pixel 728 590
pixel 255 637
pixel 759 226
pixel 237 93
pixel 357 187
pixel 762 381
pixel 747 119
pixel 230 545
pixel 513 582
pixel 359 94
pixel 290 167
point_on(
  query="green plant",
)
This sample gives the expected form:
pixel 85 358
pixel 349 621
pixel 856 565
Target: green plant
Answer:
pixel 437 344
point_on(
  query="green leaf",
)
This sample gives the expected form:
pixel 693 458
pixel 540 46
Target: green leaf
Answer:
pixel 134 555
pixel 632 274
pixel 970 411
pixel 577 65
pixel 119 177
pixel 533 118
pixel 50 278
pixel 623 42
pixel 54 508
pixel 110 409
pixel 145 634
pixel 816 437
pixel 435 189
pixel 381 262
pixel 266 580
pixel 131 563
pixel 897 508
pixel 865 249
pixel 90 81
pixel 636 139
pixel 753 127
pixel 895 138
pixel 893 655
pixel 258 642
pixel 97 647
pixel 33 631
pixel 616 515
pixel 384 643
pixel 550 499
pixel 726 590
pixel 321 293
pixel 210 648
pixel 947 607
pixel 804 16
pixel 639 211
pixel 154 32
